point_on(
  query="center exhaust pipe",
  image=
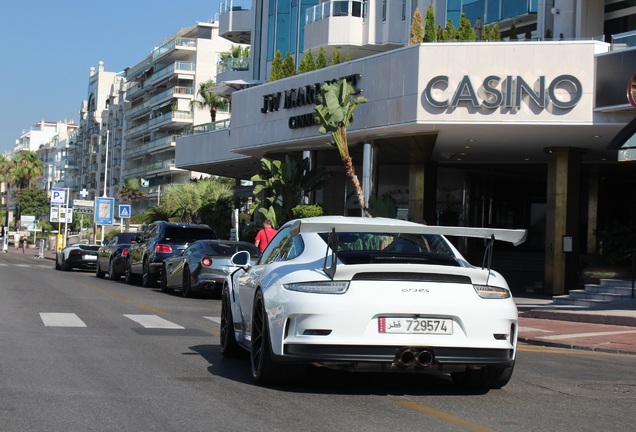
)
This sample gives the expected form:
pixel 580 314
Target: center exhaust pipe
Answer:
pixel 408 357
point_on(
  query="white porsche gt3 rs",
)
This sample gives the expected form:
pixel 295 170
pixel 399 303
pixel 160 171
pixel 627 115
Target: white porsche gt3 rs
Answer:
pixel 372 294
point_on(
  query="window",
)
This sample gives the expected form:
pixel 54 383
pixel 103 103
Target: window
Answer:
pixel 383 10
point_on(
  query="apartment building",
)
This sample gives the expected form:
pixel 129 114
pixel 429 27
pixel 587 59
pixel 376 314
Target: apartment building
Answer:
pixel 159 93
pixel 516 133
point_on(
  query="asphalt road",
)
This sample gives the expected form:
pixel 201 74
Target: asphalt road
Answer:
pixel 79 353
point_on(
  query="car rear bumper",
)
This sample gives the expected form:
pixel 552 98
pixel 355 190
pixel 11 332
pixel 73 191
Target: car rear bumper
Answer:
pixel 441 356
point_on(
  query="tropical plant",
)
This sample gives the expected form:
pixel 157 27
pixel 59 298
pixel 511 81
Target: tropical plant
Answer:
pixel 284 183
pixel 335 105
pixel 8 177
pixel 430 33
pixel 385 206
pixel 209 100
pixel 28 168
pixel 417 28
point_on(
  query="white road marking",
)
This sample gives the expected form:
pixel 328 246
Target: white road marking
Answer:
pixel 214 319
pixel 153 321
pixel 52 319
pixel 579 335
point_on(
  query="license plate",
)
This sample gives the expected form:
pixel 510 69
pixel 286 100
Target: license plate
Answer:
pixel 90 258
pixel 415 325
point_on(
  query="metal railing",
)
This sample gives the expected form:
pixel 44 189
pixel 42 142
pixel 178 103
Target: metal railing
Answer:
pixel 233 64
pixel 168 46
pixel 333 8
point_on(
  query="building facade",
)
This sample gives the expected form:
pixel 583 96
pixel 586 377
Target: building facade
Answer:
pixel 506 134
pixel 159 94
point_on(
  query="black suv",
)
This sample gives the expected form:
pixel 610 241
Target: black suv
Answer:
pixel 159 241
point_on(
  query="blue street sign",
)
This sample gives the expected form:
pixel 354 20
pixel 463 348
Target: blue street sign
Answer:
pixel 124 211
pixel 58 196
pixel 104 211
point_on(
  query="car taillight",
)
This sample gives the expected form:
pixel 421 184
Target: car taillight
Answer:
pixel 206 262
pixel 162 248
pixel 75 252
pixel 124 252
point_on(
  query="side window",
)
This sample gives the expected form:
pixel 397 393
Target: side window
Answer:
pixel 296 247
pixel 273 249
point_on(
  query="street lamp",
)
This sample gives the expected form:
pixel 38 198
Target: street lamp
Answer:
pixel 105 177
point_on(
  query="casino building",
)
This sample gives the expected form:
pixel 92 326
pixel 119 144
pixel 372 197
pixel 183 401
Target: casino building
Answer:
pixel 512 134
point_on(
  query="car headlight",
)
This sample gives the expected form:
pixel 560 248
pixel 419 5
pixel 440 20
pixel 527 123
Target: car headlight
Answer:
pixel 491 292
pixel 328 287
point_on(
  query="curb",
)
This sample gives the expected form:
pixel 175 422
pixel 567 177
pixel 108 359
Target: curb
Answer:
pixel 588 317
pixel 530 341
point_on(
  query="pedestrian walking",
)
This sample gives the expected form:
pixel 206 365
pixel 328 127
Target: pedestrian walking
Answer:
pixel 264 236
pixel 16 240
pixel 23 242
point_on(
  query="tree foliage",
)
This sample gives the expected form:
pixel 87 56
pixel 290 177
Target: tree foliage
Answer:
pixel 335 57
pixel 277 67
pixel 430 33
pixel 33 202
pixel 450 32
pixel 321 59
pixel 417 28
pixel 289 66
pixel 465 32
pixel 307 64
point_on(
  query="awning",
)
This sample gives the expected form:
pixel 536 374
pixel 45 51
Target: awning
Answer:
pixel 226 88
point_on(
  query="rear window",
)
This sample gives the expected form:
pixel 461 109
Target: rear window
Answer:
pixel 392 242
pixel 188 235
pixel 229 249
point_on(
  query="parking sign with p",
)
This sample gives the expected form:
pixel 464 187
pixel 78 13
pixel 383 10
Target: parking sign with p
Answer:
pixel 58 196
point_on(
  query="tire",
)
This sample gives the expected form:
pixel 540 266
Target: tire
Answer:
pixel 229 347
pixel 98 272
pixel 264 370
pixel 186 284
pixel 57 264
pixel 146 278
pixel 164 280
pixel 112 272
pixel 486 378
pixel 65 266
pixel 129 278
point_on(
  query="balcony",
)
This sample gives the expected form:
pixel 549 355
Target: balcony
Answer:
pixel 174 92
pixel 341 23
pixel 178 67
pixel 209 127
pixel 138 110
pixel 171 117
pixel 176 44
pixel 235 21
pixel 155 146
pixel 137 130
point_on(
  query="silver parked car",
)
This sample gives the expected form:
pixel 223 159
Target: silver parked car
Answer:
pixel 203 266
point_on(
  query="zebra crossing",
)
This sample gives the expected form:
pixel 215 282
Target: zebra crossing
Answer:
pixel 148 321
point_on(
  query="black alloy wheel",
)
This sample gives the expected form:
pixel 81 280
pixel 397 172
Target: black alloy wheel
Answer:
pixel 229 347
pixel 146 278
pixel 112 272
pixel 164 280
pixel 186 285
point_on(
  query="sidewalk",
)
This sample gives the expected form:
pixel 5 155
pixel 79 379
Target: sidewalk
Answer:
pixel 610 329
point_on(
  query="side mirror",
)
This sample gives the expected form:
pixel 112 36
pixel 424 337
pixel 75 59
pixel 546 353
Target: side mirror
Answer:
pixel 137 238
pixel 241 259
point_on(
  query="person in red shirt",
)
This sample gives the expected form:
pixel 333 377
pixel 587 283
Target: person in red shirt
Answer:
pixel 264 236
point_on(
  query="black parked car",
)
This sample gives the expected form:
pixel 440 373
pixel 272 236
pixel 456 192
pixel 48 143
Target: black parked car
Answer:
pixel 158 242
pixel 111 258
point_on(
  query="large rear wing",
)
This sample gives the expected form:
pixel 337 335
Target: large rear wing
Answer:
pixel 396 226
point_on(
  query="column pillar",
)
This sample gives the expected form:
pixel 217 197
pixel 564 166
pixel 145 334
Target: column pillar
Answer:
pixel 562 220
pixel 592 210
pixel 423 192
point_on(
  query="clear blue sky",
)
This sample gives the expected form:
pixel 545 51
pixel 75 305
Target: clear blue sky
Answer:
pixel 50 46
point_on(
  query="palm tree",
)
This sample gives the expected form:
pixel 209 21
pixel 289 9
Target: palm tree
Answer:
pixel 8 177
pixel 334 109
pixel 28 168
pixel 130 192
pixel 210 100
